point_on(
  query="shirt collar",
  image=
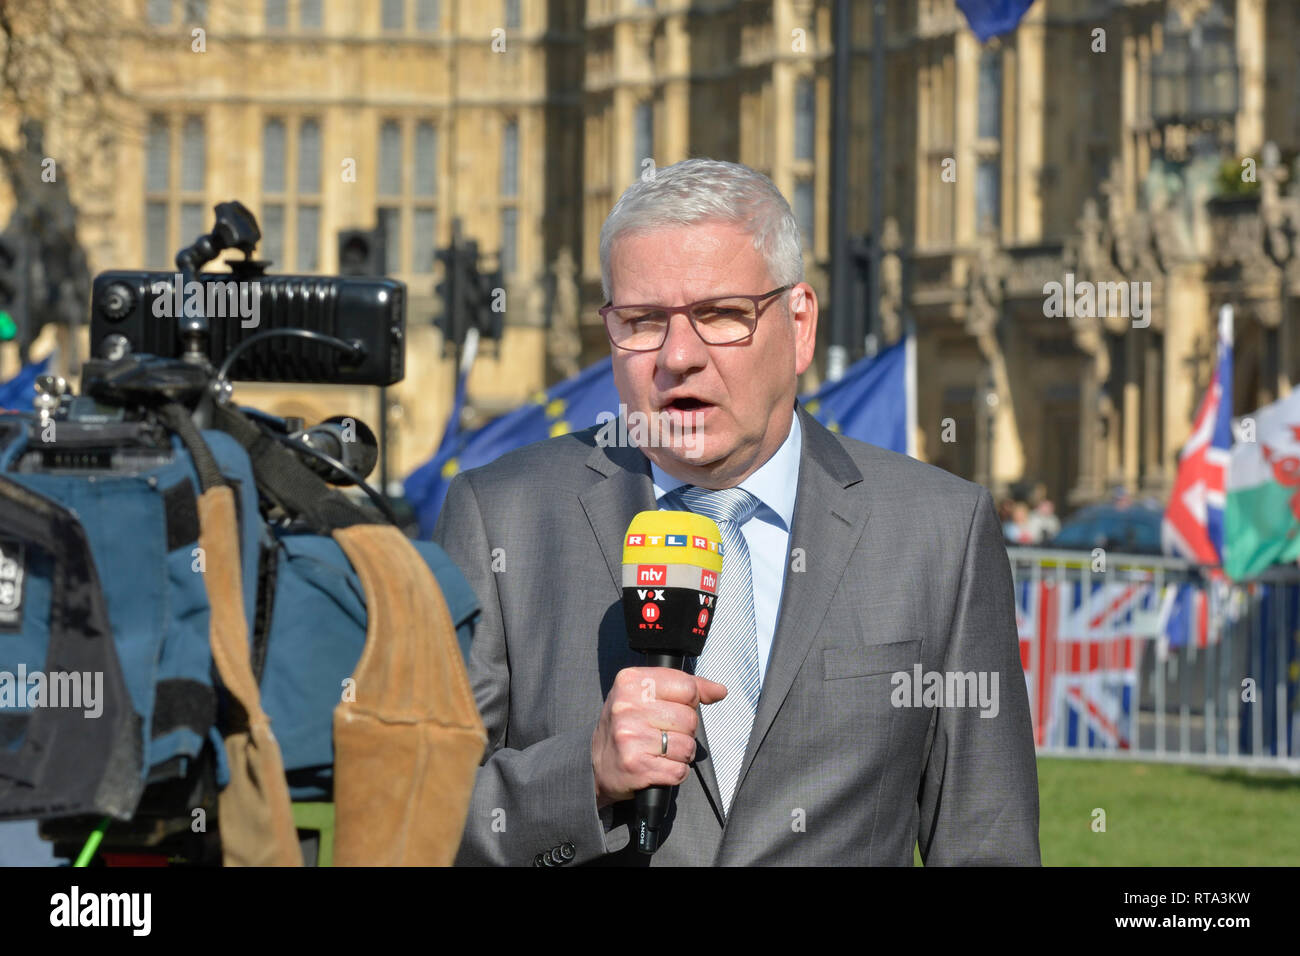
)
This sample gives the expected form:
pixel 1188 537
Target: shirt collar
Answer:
pixel 775 483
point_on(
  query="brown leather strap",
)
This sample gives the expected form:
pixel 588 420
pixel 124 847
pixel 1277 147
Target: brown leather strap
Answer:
pixel 254 810
pixel 407 748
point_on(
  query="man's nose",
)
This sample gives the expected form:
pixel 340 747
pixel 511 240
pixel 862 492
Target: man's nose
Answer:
pixel 683 349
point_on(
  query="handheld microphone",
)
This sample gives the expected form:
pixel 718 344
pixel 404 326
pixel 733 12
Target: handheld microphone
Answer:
pixel 671 564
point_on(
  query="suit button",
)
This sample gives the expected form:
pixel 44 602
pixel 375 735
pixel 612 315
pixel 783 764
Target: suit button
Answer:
pixel 540 860
pixel 568 851
pixel 556 859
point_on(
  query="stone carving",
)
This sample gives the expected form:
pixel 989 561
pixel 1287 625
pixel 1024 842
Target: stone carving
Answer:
pixel 891 281
pixel 1126 245
pixel 1280 215
pixel 1032 271
pixel 1091 253
pixel 564 340
pixel 1189 11
pixel 984 294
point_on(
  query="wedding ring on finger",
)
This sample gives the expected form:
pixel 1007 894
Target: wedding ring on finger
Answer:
pixel 663 743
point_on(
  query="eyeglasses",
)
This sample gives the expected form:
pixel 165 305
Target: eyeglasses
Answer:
pixel 726 320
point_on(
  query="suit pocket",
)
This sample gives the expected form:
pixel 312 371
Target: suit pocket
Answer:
pixel 865 660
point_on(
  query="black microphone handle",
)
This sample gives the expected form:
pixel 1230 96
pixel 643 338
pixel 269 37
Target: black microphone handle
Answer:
pixel 652 802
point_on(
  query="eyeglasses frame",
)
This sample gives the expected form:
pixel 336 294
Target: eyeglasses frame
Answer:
pixel 686 310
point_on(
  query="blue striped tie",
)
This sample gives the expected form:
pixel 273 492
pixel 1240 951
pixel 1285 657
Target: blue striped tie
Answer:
pixel 730 654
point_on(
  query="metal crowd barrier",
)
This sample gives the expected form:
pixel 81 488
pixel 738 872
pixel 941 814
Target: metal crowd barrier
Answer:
pixel 1155 659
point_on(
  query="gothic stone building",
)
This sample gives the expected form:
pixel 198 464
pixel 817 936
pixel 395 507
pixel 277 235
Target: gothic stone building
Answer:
pixel 1137 155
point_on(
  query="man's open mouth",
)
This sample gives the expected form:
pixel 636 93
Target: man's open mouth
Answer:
pixel 688 404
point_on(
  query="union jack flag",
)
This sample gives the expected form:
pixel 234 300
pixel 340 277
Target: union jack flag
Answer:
pixel 1185 618
pixel 1193 525
pixel 1081 655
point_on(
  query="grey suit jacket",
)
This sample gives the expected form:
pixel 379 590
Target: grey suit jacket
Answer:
pixel 898 564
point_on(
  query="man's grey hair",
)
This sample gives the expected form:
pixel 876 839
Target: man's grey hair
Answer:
pixel 709 190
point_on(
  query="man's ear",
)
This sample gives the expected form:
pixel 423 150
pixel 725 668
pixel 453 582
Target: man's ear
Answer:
pixel 803 309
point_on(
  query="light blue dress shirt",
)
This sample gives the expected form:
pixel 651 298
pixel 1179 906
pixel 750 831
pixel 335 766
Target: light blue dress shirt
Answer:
pixel 767 532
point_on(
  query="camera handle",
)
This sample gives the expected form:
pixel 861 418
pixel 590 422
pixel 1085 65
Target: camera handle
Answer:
pixel 235 228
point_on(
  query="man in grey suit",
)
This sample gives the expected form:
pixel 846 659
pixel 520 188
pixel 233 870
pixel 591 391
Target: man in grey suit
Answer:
pixel 861 690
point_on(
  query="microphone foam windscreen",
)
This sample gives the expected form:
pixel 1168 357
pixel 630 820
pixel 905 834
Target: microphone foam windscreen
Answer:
pixel 671 564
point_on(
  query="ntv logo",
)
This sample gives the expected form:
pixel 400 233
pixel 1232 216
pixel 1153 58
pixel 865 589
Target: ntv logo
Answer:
pixel 651 573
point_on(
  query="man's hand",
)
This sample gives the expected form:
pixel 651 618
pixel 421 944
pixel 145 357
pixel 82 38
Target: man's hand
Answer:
pixel 643 703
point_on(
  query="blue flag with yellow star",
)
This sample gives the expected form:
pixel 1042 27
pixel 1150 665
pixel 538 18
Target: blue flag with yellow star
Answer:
pixel 874 400
pixel 572 405
pixel 989 18
pixel 452 435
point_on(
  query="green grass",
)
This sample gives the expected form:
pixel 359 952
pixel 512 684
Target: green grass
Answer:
pixel 1166 815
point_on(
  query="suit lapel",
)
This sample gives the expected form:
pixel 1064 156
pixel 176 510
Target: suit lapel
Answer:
pixel 612 504
pixel 830 514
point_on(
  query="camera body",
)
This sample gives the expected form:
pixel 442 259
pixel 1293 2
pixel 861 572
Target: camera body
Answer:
pixel 107 590
pixel 138 311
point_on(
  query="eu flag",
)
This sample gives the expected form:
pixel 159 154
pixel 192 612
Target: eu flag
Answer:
pixel 990 18
pixel 872 402
pixel 571 405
